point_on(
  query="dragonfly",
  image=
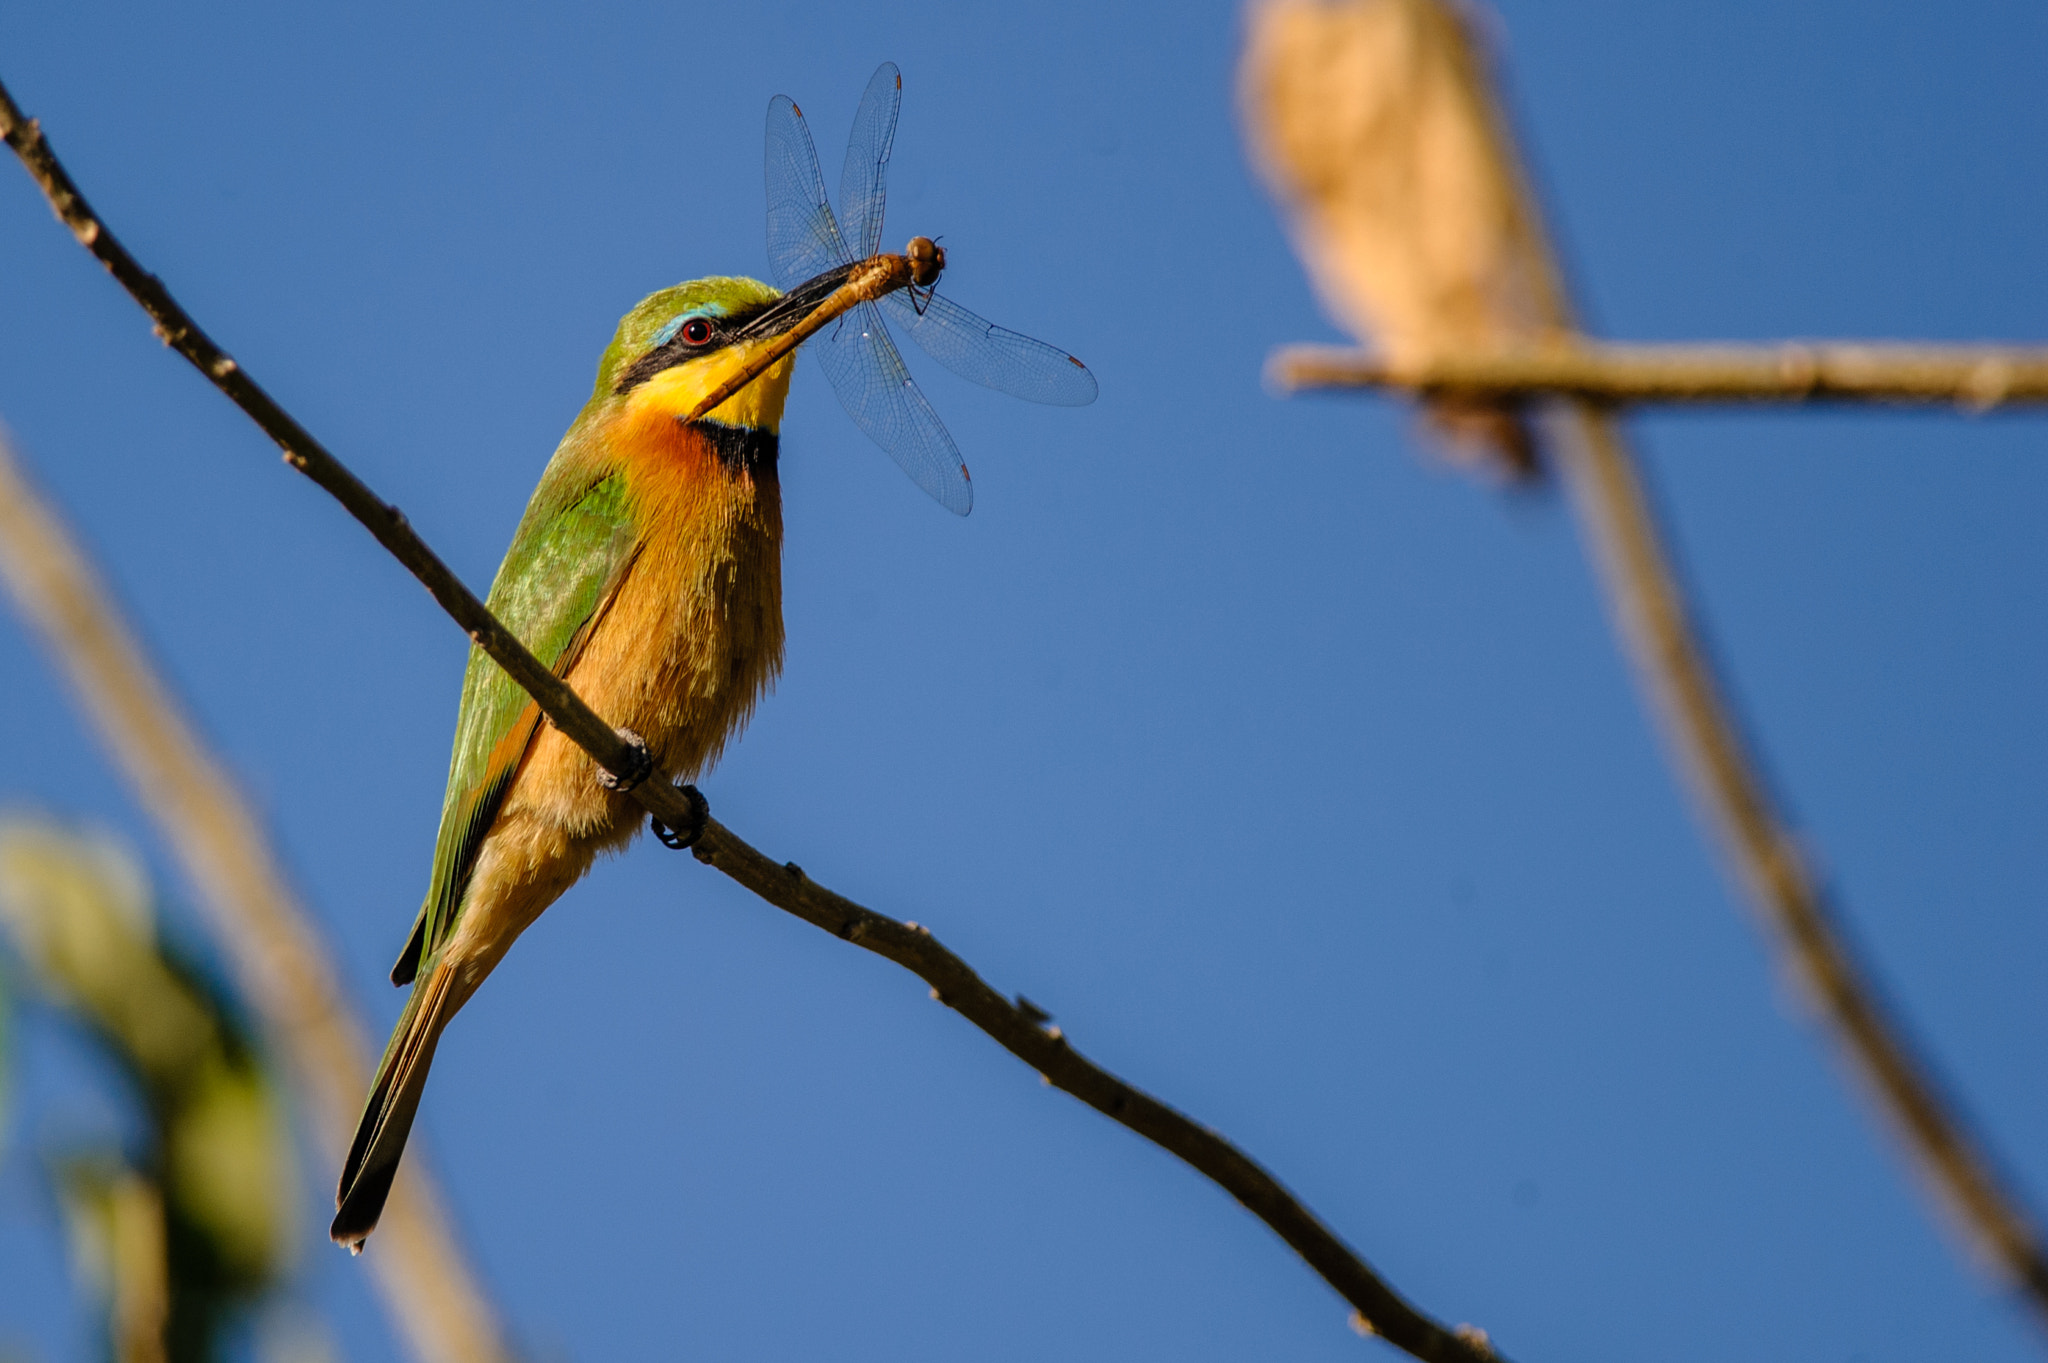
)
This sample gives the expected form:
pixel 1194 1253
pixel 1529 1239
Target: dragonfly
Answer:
pixel 807 247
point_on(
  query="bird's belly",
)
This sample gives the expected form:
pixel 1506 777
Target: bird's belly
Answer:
pixel 689 644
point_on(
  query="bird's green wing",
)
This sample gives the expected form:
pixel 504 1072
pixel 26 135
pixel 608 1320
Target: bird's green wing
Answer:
pixel 573 546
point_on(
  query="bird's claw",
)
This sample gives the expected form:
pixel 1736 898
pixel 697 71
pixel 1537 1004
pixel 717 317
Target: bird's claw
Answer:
pixel 700 814
pixel 642 765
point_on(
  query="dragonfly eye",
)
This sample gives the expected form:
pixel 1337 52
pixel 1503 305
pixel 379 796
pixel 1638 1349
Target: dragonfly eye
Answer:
pixel 927 259
pixel 696 331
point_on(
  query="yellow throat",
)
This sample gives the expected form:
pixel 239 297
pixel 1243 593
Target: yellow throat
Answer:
pixel 676 392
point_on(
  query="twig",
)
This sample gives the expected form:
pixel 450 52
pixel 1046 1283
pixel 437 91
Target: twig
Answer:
pixel 1022 1030
pixel 260 922
pixel 1971 376
pixel 1379 1309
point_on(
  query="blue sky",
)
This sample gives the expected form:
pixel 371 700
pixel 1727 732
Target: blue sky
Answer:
pixel 1297 777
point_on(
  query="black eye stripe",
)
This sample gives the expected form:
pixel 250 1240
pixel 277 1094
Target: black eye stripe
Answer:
pixel 718 332
pixel 745 324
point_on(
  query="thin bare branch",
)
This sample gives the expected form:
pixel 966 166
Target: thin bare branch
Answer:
pixel 1378 1308
pixel 1022 1030
pixel 265 931
pixel 1319 136
pixel 1976 377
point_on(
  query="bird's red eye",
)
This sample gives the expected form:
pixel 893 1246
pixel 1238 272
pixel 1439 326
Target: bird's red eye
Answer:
pixel 696 331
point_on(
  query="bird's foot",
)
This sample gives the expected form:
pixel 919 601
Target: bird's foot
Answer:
pixel 642 768
pixel 700 814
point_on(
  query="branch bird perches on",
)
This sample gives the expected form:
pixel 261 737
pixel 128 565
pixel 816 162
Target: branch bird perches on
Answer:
pixel 1019 1027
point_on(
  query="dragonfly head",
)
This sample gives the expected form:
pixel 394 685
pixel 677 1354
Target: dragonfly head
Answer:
pixel 927 261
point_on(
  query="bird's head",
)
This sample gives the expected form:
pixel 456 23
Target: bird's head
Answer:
pixel 681 345
pixel 717 348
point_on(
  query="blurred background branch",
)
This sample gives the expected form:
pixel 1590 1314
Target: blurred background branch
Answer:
pixel 264 932
pixel 1377 126
pixel 1973 376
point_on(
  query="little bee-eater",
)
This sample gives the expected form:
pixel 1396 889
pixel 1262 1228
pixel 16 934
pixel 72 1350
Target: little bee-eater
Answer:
pixel 647 573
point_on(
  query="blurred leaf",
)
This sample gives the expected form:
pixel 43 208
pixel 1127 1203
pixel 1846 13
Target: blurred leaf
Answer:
pixel 1373 121
pixel 228 1162
pixel 78 908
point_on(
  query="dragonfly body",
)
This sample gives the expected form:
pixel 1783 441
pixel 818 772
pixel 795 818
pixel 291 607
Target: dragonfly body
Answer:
pixel 647 571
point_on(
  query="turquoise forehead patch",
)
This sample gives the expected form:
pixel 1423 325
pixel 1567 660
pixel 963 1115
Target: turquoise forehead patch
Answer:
pixel 675 323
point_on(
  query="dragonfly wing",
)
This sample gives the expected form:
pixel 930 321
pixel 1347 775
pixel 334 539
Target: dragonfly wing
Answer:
pixel 995 357
pixel 861 188
pixel 876 389
pixel 803 237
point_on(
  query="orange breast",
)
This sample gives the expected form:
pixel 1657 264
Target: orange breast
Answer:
pixel 692 638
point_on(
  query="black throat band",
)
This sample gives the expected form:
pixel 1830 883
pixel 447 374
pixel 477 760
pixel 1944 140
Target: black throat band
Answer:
pixel 743 449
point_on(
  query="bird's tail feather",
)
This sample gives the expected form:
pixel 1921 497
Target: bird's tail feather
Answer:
pixel 387 1116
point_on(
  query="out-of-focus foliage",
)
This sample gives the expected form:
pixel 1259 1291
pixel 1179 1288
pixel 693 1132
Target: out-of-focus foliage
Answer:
pixel 1373 121
pixel 181 1233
